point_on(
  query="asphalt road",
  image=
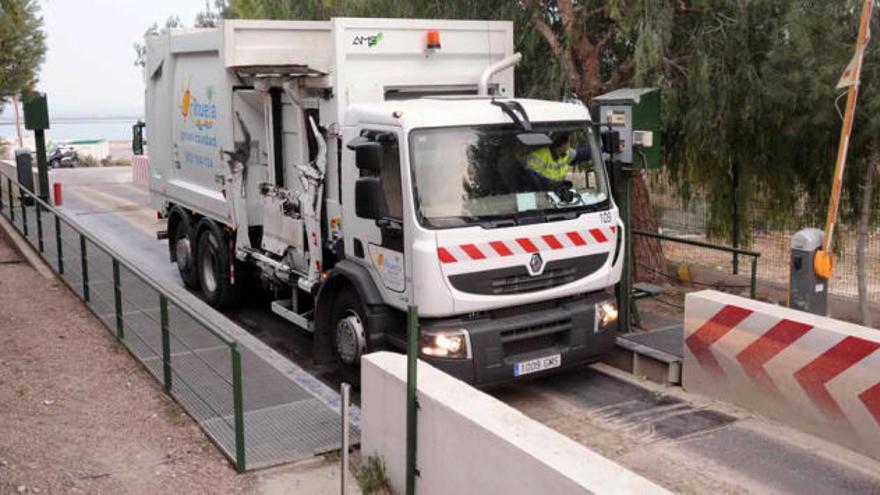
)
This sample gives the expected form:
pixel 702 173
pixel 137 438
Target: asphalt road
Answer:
pixel 682 441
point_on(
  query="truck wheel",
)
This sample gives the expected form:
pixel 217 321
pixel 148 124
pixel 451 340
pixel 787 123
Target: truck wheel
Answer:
pixel 184 250
pixel 213 268
pixel 349 327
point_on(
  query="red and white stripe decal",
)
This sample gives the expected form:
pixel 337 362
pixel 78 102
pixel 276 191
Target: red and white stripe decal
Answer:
pixel 140 171
pixel 525 245
pixel 839 354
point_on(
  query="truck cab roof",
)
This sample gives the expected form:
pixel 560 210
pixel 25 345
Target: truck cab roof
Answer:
pixel 458 111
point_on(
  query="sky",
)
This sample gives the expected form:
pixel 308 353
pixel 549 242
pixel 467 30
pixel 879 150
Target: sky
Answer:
pixel 89 69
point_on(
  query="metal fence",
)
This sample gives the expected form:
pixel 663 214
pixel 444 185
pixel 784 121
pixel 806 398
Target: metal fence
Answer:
pixel 197 366
pixel 769 234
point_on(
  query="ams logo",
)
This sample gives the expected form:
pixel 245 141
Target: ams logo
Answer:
pixel 369 41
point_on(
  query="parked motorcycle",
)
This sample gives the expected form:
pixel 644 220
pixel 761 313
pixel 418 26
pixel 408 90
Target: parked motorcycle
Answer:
pixel 63 157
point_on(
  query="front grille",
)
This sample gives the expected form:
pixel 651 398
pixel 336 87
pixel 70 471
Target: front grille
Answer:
pixel 518 284
pixel 529 345
pixel 518 280
pixel 535 338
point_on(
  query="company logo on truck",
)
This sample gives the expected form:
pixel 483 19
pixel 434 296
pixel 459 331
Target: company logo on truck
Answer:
pixel 370 41
pixel 203 113
pixel 198 115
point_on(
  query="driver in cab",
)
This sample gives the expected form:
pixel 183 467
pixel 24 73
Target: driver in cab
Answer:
pixel 547 167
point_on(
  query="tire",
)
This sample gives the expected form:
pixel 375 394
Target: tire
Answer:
pixel 184 254
pixel 350 343
pixel 213 267
pixel 55 164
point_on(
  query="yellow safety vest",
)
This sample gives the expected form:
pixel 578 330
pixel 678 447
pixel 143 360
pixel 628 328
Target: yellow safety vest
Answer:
pixel 542 161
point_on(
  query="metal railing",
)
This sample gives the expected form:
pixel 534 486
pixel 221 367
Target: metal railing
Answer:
pixel 197 365
pixel 690 242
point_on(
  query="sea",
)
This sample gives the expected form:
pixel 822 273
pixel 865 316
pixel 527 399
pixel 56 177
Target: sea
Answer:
pixel 75 129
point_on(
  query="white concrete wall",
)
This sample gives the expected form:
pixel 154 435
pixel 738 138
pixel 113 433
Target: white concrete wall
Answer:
pixel 813 373
pixel 471 443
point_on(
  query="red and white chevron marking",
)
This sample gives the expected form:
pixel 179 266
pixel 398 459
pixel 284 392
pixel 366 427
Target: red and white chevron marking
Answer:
pixel 525 245
pixel 140 171
pixel 815 373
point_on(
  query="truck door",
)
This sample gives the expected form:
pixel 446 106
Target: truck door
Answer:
pixel 377 235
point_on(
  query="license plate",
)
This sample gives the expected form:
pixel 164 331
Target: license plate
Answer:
pixel 535 365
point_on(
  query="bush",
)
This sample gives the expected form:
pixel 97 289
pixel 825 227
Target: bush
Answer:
pixel 371 478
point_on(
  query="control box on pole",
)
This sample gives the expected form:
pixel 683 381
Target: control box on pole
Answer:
pixel 629 122
pixel 807 290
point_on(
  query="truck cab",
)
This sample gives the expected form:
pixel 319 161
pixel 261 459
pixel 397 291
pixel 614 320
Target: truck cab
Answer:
pixel 449 217
pixel 364 168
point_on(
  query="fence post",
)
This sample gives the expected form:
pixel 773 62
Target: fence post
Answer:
pixel 38 209
pixel 85 266
pixel 735 217
pixel 238 406
pixel 117 298
pixel 166 342
pixel 412 404
pixel 59 250
pixel 754 289
pixel 11 201
pixel 343 475
pixel 24 222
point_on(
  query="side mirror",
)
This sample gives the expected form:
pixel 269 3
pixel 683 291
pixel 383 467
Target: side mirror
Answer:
pixel 369 198
pixel 369 156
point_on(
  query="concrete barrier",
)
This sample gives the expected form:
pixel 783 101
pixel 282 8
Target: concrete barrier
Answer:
pixel 140 171
pixel 813 373
pixel 469 442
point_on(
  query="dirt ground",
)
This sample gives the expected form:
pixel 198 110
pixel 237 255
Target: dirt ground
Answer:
pixel 78 414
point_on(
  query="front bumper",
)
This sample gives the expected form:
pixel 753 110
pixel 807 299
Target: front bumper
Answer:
pixel 500 339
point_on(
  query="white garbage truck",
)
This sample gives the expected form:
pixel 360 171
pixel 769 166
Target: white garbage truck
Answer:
pixel 357 167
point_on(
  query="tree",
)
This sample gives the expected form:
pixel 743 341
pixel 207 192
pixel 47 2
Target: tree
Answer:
pixel 803 69
pixel 592 43
pixel 22 50
pixel 140 49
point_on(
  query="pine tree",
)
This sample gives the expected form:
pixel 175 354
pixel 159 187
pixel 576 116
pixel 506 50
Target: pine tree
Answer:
pixel 22 47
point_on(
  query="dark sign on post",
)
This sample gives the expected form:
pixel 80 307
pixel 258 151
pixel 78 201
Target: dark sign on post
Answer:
pixel 36 118
pixel 36 112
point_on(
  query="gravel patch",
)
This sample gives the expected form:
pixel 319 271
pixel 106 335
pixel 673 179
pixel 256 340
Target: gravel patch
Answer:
pixel 78 414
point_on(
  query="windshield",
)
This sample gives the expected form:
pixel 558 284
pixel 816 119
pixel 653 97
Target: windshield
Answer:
pixel 484 174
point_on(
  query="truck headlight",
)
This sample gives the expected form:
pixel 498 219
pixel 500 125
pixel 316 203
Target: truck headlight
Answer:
pixel 606 312
pixel 445 343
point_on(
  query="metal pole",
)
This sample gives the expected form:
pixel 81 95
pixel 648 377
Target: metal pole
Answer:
pixel 735 217
pixel 11 200
pixel 85 267
pixel 238 407
pixel 166 342
pixel 754 289
pixel 39 207
pixel 58 247
pixel 21 201
pixel 1 195
pixel 412 404
pixel 117 298
pixel 625 293
pixel 346 396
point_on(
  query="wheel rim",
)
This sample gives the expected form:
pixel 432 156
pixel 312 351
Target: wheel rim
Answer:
pixel 183 250
pixel 209 280
pixel 350 338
